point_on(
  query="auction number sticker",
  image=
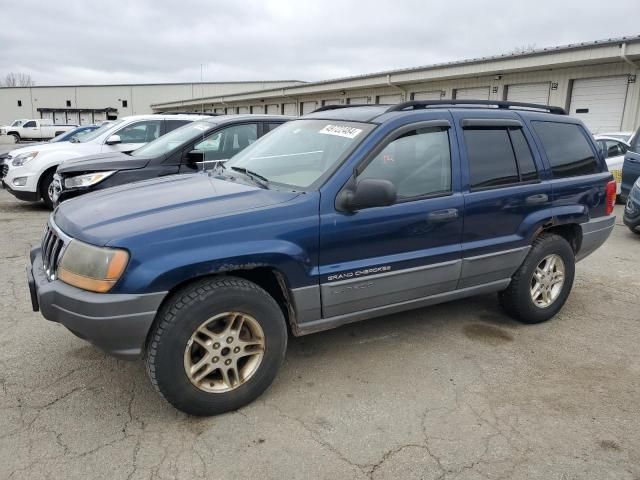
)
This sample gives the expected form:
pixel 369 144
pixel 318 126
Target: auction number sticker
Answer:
pixel 341 131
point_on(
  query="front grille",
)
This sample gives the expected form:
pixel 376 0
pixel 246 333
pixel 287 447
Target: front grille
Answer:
pixel 52 247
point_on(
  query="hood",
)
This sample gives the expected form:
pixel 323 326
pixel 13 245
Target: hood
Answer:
pixel 102 162
pixel 108 215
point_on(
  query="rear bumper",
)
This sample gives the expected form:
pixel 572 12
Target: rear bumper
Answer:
pixel 594 233
pixel 115 323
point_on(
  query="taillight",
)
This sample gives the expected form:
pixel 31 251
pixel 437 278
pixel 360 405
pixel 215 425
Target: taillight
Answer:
pixel 611 196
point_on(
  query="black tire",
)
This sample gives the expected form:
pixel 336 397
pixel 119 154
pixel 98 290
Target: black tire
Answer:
pixel 183 313
pixel 45 183
pixel 516 298
pixel 635 230
pixel 16 137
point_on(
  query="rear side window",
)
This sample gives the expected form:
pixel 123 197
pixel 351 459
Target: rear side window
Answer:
pixel 498 157
pixel 567 149
pixel 171 125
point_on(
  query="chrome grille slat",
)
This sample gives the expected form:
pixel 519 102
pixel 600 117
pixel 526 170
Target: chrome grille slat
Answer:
pixel 53 245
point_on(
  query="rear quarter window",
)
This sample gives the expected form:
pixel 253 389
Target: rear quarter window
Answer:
pixel 567 148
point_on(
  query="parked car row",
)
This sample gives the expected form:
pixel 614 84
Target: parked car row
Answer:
pixel 345 214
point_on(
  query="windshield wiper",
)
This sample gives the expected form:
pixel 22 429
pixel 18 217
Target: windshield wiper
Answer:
pixel 256 177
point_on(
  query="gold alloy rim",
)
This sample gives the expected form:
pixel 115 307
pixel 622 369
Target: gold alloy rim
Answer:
pixel 547 281
pixel 224 352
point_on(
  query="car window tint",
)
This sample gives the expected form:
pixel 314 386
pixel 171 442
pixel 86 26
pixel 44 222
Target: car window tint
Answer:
pixel 271 126
pixel 171 125
pixel 29 124
pixel 567 149
pixel 418 163
pixel 491 158
pixel 225 143
pixel 140 132
pixel 614 148
pixel 526 165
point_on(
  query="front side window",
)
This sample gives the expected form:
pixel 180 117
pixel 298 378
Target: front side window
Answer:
pixel 418 163
pixel 104 128
pixel 567 149
pixel 300 153
pixel 173 139
pixel 30 124
pixel 614 148
pixel 225 143
pixel 140 132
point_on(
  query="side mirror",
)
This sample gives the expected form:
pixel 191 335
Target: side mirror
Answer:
pixel 113 139
pixel 195 156
pixel 367 193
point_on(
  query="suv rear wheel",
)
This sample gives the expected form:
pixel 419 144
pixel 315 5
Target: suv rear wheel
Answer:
pixel 541 285
pixel 216 346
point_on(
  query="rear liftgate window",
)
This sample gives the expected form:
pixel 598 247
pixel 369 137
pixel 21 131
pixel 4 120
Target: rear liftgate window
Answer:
pixel 498 157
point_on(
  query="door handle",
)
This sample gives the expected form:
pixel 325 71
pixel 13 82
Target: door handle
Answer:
pixel 632 160
pixel 445 215
pixel 537 199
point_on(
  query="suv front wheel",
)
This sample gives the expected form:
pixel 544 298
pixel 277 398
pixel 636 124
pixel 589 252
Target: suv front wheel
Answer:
pixel 216 345
pixel 541 285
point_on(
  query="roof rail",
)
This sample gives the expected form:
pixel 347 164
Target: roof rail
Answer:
pixel 420 104
pixel 348 105
pixel 188 113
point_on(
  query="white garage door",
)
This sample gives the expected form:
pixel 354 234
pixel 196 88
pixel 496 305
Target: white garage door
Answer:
pixel 334 101
pixel 389 99
pixel 427 95
pixel 243 110
pixel 308 107
pixel 99 117
pixel 86 118
pixel 599 102
pixel 358 100
pixel 529 92
pixel 273 109
pixel 59 118
pixel 476 93
pixel 219 110
pixel 257 109
pixel 73 118
pixel 289 109
pixel 47 115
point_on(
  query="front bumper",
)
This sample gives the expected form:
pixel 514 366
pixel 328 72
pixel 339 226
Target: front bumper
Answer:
pixel 115 323
pixel 25 196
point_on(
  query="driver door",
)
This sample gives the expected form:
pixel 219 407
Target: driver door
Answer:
pixel 377 257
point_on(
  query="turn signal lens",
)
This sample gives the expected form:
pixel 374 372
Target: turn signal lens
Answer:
pixel 611 196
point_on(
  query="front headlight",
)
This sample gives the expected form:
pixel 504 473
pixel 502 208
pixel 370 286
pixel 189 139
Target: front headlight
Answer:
pixel 87 180
pixel 92 268
pixel 23 158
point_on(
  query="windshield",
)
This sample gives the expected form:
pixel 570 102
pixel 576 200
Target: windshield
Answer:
pixel 17 123
pixel 71 134
pixel 299 153
pixel 96 133
pixel 171 140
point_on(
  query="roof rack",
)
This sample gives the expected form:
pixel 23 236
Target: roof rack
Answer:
pixel 421 104
pixel 348 105
pixel 188 113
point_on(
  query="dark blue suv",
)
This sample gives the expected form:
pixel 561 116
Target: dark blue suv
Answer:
pixel 343 215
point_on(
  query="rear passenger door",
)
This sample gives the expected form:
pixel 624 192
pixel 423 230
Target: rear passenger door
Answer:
pixel 376 257
pixel 631 166
pixel 504 195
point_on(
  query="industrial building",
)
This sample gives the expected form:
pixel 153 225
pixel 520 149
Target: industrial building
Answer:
pixel 86 104
pixel 596 81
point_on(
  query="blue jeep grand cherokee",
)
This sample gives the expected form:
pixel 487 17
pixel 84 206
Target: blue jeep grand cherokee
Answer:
pixel 343 215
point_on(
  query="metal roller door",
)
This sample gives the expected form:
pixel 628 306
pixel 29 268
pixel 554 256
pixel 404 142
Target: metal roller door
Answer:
pixel 308 107
pixel 86 118
pixel 219 110
pixel 476 93
pixel 289 109
pixel 59 118
pixel 599 102
pixel 334 101
pixel 358 100
pixel 427 95
pixel 257 109
pixel 273 109
pixel 389 99
pixel 243 110
pixel 99 117
pixel 73 118
pixel 529 92
pixel 47 116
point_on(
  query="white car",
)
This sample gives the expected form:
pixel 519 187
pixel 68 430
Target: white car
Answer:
pixel 28 172
pixel 614 150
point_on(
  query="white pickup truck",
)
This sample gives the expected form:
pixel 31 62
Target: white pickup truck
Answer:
pixel 34 129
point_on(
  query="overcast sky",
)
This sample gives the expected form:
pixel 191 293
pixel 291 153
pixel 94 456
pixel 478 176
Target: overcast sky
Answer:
pixel 120 41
